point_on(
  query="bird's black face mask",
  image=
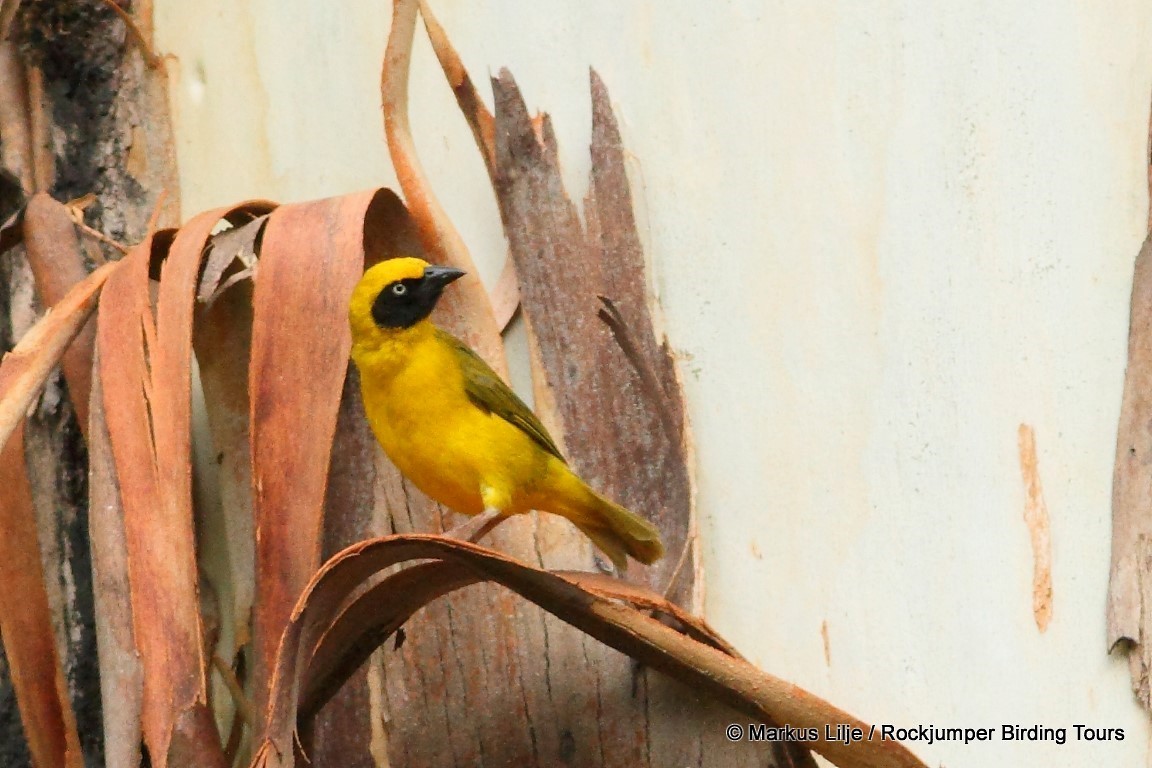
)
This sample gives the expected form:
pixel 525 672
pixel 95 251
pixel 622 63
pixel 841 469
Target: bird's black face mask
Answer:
pixel 404 303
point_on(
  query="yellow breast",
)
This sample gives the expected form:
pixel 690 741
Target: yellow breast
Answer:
pixel 459 454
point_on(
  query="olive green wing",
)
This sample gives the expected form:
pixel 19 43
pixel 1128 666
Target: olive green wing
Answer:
pixel 488 392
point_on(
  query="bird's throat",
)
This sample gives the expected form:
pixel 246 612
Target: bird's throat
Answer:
pixel 386 351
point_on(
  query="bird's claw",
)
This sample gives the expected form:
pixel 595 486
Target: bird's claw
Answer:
pixel 478 527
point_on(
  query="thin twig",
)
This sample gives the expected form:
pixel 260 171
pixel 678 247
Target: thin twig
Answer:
pixel 98 235
pixel 235 734
pixel 76 210
pixel 150 58
pixel 239 698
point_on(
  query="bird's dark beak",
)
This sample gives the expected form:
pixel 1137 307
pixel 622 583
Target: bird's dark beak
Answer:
pixel 437 277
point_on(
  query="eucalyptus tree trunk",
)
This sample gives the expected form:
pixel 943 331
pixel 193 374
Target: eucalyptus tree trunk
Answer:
pixel 82 117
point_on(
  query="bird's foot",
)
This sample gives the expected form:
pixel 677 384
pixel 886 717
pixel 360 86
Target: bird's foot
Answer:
pixel 478 527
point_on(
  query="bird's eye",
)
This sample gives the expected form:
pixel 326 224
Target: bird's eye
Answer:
pixel 399 289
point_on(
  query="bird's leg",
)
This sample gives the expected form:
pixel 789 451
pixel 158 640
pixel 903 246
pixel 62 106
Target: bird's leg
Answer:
pixel 478 527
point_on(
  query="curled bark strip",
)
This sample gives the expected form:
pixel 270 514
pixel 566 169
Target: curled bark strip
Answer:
pixel 57 265
pixel 367 621
pixel 125 326
pixel 25 615
pixel 140 398
pixel 121 676
pixel 479 118
pixel 506 293
pixel 26 623
pixel 645 599
pixel 1129 621
pixel 311 257
pixel 222 342
pixel 146 370
pixel 40 128
pixel 239 244
pixel 389 230
pixel 1129 624
pixel 194 743
pixel 25 369
pixel 370 619
pixel 467 311
pixel 732 681
pixel 348 730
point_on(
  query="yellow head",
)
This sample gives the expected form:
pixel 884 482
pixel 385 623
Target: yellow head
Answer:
pixel 395 295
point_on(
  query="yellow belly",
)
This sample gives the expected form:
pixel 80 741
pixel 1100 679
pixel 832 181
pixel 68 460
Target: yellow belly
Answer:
pixel 455 452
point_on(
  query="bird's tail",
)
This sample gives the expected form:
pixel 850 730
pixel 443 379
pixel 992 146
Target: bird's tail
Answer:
pixel 618 532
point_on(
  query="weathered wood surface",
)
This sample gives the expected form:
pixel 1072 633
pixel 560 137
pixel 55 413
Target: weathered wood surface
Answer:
pixel 1129 618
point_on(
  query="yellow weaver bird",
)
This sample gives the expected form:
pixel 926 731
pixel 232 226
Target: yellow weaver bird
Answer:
pixel 456 430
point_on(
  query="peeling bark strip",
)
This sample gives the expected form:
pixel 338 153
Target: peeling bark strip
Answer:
pixel 609 389
pixel 1036 518
pixel 28 365
pixel 121 676
pixel 494 655
pixel 145 374
pixel 701 665
pixel 57 265
pixel 26 622
pixel 505 294
pixel 616 393
pixel 1129 615
pixel 343 732
pixel 468 307
pixel 1130 579
pixel 311 258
